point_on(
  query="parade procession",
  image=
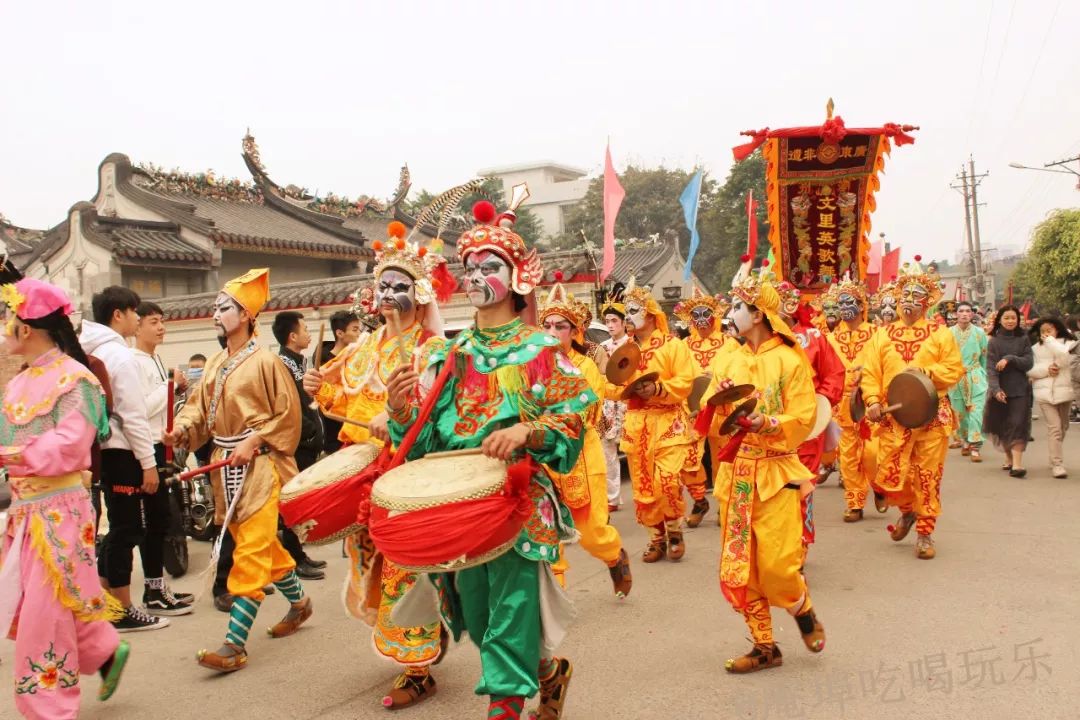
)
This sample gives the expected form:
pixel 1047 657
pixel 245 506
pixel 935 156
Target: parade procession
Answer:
pixel 536 445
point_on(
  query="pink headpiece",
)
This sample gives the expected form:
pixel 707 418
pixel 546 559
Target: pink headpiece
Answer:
pixel 31 299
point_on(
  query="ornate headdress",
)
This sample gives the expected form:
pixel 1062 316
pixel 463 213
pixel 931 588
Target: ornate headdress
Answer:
pixel 856 289
pixel 494 233
pixel 428 269
pixel 560 302
pixel 642 295
pixel 790 298
pixel 929 280
pixel 699 299
pixel 613 301
pixel 886 291
pixel 251 290
pixel 757 289
pixel 364 309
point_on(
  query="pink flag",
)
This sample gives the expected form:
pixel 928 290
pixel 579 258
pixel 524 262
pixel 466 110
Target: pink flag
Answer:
pixel 873 267
pixel 613 197
pixel 890 266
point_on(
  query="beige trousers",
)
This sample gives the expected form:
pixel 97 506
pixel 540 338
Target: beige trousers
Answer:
pixel 1057 424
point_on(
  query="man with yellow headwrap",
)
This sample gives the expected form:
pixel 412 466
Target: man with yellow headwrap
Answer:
pixel 911 462
pixel 759 477
pixel 406 295
pixel 247 404
pixel 702 314
pixel 656 431
pixel 584 489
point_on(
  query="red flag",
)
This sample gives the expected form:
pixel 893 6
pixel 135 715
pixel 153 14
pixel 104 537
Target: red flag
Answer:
pixel 613 197
pixel 751 225
pixel 1009 295
pixel 890 265
pixel 1025 310
pixel 873 282
pixel 873 266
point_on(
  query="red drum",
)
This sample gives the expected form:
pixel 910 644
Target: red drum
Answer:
pixel 447 512
pixel 321 504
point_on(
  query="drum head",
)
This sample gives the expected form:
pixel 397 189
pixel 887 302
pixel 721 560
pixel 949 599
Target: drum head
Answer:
pixel 647 377
pixel 732 394
pixel 623 363
pixel 822 418
pixel 916 395
pixel 429 482
pixel 731 422
pixel 856 406
pixel 344 463
pixel 701 384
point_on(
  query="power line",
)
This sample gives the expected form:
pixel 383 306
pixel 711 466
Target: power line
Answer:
pixel 978 83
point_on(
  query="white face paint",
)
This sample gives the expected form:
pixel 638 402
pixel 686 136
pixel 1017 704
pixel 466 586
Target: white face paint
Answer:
pixel 487 278
pixel 226 315
pixel 741 315
pixel 635 315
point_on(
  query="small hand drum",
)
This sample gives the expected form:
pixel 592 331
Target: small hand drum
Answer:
pixel 731 422
pixel 623 363
pixel 912 398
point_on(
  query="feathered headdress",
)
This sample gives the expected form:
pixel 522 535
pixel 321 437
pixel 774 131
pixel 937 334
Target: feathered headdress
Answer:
pixel 494 233
pixel 613 301
pixel 428 269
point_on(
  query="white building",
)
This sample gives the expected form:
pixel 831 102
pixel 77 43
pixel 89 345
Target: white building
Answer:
pixel 554 189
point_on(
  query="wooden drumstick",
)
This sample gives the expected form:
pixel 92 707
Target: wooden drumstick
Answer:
pixel 345 420
pixel 455 453
pixel 318 360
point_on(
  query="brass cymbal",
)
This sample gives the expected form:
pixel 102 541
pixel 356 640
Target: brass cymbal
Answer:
pixel 731 422
pixel 623 363
pixel 647 377
pixel 732 394
pixel 701 384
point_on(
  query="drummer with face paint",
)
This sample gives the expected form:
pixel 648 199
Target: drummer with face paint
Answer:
pixel 911 462
pixel 703 315
pixel 656 431
pixel 409 283
pixel 759 484
pixel 511 393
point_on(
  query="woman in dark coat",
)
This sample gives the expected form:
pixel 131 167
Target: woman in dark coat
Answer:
pixel 1008 415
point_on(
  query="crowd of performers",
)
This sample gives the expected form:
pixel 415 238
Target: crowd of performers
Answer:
pixel 522 386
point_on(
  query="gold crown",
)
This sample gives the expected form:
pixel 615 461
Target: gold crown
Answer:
pixel 560 302
pixel 856 289
pixel 886 291
pixel 699 299
pixel 412 258
pixel 829 297
pixel 929 280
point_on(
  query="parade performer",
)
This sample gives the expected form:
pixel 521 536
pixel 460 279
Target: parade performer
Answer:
pixel 758 486
pixel 409 284
pixel 968 397
pixel 51 600
pixel 828 374
pixel 584 489
pixel 247 404
pixel 614 411
pixel 828 307
pixel 885 301
pixel 702 314
pixel 910 462
pixel 656 430
pixel 508 389
pixel 858 447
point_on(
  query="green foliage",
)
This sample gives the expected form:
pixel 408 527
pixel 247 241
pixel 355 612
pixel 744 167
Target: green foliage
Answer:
pixel 528 226
pixel 723 224
pixel 1049 274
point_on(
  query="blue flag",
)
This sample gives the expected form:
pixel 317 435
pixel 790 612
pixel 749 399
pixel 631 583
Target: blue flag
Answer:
pixel 689 202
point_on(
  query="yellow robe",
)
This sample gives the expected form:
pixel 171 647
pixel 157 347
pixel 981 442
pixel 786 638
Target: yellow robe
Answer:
pixel 258 393
pixel 584 489
pixel 656 432
pixel 760 507
pixel 858 455
pixel 357 378
pixel 910 462
pixel 704 350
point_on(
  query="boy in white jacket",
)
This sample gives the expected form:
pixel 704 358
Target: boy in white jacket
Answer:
pixel 1052 384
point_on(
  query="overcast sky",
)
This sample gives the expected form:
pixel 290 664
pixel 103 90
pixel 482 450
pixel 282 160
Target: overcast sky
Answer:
pixel 340 94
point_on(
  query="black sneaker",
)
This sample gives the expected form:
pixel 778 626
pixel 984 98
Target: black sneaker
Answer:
pixel 162 602
pixel 179 597
pixel 135 620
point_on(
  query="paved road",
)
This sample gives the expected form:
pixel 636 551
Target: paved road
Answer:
pixel 988 630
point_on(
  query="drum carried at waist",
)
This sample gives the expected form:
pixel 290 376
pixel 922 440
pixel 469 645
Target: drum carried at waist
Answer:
pixel 450 511
pixel 912 398
pixel 321 503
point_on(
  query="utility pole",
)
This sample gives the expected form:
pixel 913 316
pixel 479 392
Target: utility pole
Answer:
pixel 969 182
pixel 975 179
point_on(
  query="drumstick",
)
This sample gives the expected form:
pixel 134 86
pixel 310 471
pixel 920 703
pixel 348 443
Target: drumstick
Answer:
pixel 455 453
pixel 314 404
pixel 217 465
pixel 345 420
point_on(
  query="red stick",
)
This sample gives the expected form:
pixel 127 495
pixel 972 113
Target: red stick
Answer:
pixel 169 405
pixel 217 465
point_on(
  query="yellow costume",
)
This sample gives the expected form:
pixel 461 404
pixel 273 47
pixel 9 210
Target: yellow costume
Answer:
pixel 910 462
pixel 858 448
pixel 656 431
pixel 357 377
pixel 759 489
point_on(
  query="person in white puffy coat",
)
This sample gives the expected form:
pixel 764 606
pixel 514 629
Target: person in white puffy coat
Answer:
pixel 1051 380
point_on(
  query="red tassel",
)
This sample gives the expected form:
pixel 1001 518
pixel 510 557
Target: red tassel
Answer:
pixel 704 420
pixel 444 283
pixel 519 475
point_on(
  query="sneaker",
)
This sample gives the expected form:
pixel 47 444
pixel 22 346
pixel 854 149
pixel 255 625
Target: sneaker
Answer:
pixel 136 620
pixel 179 597
pixel 163 602
pixel 1060 472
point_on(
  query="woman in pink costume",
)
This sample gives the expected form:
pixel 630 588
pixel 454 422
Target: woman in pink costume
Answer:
pixel 51 601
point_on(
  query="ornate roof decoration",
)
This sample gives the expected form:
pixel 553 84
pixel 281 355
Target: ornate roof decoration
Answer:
pixel 205 184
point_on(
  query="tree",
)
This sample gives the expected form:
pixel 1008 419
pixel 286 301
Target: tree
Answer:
pixel 1048 275
pixel 528 226
pixel 722 222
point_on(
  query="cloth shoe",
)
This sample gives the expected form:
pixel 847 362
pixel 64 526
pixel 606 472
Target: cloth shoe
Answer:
pixel 812 631
pixel 924 548
pixel 621 578
pixel 760 657
pixel 163 602
pixel 293 619
pixel 409 690
pixel 136 620
pixel 112 670
pixel 676 545
pixel 697 512
pixel 226 659
pixel 853 515
pixel 1059 472
pixel 903 526
pixel 553 692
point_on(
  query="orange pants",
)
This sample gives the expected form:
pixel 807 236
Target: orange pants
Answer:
pixel 259 558
pixel 858 465
pixel 598 538
pixel 910 465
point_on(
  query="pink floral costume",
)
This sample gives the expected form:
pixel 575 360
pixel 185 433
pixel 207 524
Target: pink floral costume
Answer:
pixel 51 601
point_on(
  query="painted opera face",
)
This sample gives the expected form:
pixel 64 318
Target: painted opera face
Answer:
pixel 635 315
pixel 849 306
pixel 559 328
pixel 887 311
pixel 742 316
pixel 227 315
pixel 914 299
pixel 702 317
pixel 831 310
pixel 395 292
pixel 487 278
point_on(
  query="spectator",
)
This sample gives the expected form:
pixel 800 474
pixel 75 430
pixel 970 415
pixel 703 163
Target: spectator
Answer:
pixel 194 373
pixel 346 328
pixel 1008 414
pixel 1052 384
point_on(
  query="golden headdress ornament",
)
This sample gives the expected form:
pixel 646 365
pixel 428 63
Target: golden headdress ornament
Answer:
pixel 494 233
pixel 251 290
pixel 929 280
pixel 849 286
pixel 428 269
pixel 757 289
pixel 642 296
pixel 699 299
pixel 560 302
